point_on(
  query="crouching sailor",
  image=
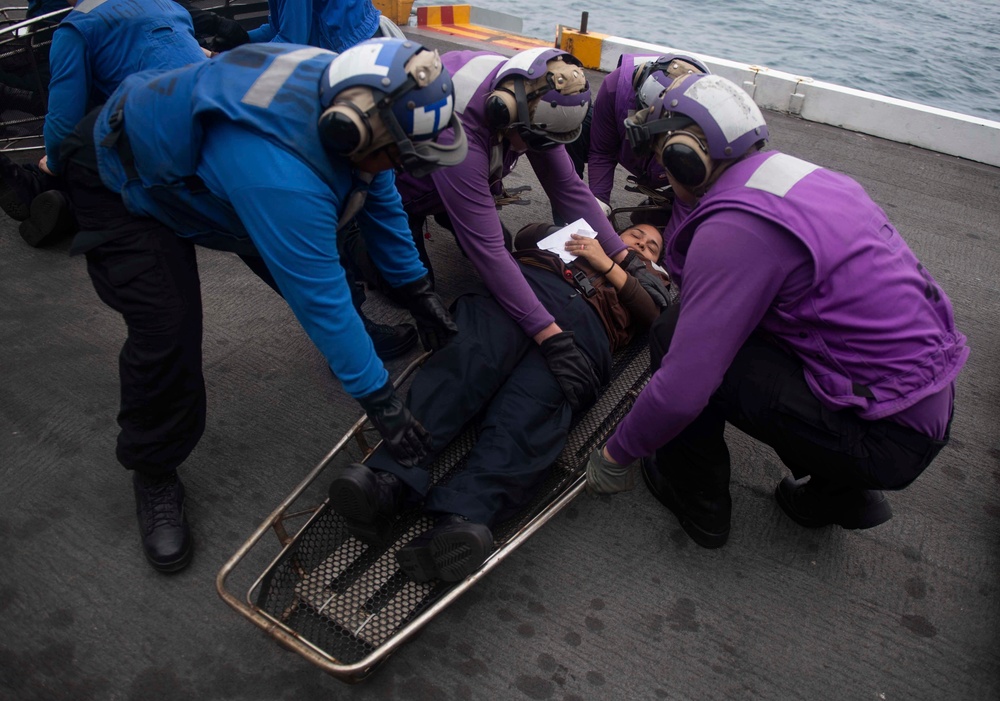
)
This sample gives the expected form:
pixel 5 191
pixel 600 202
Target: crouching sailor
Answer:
pixel 264 152
pixel 804 320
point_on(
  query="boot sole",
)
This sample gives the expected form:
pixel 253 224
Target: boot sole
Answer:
pixel 349 498
pixel 665 495
pixel 50 219
pixel 450 557
pixel 174 566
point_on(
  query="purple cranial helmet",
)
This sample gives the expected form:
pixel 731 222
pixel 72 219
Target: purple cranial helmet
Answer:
pixel 543 94
pixel 650 79
pixel 698 120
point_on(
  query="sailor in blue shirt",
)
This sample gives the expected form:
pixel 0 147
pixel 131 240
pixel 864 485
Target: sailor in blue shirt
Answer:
pixel 95 47
pixel 98 45
pixel 265 151
pixel 331 24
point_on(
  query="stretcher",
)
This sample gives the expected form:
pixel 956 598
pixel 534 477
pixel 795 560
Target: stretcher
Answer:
pixel 345 606
pixel 24 50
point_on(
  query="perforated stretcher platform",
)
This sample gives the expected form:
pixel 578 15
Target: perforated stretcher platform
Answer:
pixel 345 606
pixel 24 51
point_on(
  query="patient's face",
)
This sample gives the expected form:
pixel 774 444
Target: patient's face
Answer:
pixel 645 240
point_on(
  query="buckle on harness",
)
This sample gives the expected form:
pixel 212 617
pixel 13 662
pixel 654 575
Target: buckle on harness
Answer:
pixel 583 282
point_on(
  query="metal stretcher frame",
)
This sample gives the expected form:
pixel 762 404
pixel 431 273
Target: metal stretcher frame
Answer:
pixel 31 38
pixel 630 373
pixel 26 42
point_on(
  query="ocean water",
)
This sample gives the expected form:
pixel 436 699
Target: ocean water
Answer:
pixel 944 54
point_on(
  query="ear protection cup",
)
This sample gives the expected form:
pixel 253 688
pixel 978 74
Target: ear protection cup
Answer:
pixel 684 157
pixel 501 108
pixel 345 129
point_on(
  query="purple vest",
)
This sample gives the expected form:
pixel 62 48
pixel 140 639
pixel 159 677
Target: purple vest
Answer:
pixel 874 331
pixel 646 170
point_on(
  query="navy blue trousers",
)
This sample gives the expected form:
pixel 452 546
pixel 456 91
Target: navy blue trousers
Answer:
pixel 764 394
pixel 493 370
pixel 149 275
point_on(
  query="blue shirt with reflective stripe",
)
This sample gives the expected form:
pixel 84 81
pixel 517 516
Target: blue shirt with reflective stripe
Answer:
pixel 245 125
pixel 100 43
pixel 329 24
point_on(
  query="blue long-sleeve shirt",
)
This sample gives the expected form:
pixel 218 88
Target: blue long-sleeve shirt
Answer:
pixel 291 215
pixel 329 24
pixel 98 45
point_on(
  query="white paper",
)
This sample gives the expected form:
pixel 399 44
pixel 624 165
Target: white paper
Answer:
pixel 556 243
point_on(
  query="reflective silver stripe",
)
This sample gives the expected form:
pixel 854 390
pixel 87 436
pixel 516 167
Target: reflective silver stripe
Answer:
pixel 470 76
pixel 270 81
pixel 779 173
pixel 88 5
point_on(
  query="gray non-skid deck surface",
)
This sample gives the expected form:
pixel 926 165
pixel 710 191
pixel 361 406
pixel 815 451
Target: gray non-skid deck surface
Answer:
pixel 609 601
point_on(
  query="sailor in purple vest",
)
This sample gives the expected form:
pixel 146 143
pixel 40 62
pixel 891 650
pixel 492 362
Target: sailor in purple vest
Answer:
pixel 804 320
pixel 531 105
pixel 632 86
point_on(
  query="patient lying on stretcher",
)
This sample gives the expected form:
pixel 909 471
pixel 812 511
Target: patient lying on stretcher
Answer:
pixel 494 370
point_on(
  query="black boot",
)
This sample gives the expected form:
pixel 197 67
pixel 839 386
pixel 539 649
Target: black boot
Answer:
pixel 51 220
pixel 391 341
pixel 16 189
pixel 450 551
pixel 704 517
pixel 813 504
pixel 369 501
pixel 166 537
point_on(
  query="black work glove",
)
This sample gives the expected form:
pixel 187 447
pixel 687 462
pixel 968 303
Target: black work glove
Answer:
pixel 636 267
pixel 215 32
pixel 407 440
pixel 434 323
pixel 573 371
pixel 228 35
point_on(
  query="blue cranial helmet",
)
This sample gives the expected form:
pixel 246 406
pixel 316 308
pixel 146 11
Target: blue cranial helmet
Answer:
pixel 407 88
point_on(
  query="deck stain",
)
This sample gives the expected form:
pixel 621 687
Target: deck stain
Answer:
pixel 683 615
pixel 535 687
pixel 595 678
pixel 916 587
pixel 919 626
pixel 953 472
pixel 547 662
pixel 471 667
